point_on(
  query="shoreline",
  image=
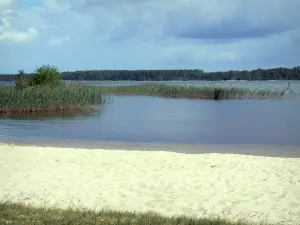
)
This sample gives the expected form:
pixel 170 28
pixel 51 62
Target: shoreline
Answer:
pixel 254 150
pixel 168 183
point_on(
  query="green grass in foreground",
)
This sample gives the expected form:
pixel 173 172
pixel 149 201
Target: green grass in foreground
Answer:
pixel 46 99
pixel 180 91
pixel 17 214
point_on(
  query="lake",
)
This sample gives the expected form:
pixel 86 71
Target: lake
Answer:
pixel 162 120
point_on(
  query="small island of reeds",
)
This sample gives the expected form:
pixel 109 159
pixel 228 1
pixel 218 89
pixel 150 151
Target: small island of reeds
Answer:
pixel 196 92
pixel 46 92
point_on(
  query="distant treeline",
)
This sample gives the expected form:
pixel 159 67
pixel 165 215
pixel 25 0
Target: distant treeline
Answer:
pixel 158 75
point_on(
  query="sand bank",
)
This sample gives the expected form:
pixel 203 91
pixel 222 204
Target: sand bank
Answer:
pixel 165 182
pixel 257 150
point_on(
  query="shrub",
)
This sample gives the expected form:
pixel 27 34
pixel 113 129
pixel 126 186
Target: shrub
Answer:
pixel 46 75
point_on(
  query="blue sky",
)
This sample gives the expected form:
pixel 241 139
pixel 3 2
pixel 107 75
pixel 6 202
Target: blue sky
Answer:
pixel 149 34
pixel 28 3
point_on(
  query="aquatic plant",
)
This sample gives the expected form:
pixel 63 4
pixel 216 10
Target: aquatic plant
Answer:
pixel 70 97
pixel 47 99
pixel 21 81
pixel 190 91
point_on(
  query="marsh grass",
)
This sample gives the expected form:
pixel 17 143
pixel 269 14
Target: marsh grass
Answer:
pixel 181 91
pixel 47 99
pixel 18 214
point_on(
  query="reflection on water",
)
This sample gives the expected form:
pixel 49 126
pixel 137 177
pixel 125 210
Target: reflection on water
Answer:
pixel 60 116
pixel 152 119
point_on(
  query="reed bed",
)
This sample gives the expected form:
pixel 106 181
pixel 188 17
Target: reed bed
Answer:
pixel 17 213
pixel 180 91
pixel 46 99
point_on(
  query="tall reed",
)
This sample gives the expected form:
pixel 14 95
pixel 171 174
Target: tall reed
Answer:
pixel 181 91
pixel 34 99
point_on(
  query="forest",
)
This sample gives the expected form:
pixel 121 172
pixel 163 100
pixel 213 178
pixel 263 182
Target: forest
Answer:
pixel 180 74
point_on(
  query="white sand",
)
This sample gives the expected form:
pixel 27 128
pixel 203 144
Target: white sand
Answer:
pixel 168 183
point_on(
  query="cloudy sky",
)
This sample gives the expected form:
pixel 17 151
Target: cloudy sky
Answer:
pixel 149 34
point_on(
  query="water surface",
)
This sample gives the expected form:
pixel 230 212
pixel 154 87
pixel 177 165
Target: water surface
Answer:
pixel 162 120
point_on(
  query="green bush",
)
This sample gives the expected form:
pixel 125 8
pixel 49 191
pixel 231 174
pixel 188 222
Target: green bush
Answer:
pixel 46 75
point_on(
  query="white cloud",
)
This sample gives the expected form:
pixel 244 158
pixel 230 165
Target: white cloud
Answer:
pixel 9 33
pixel 55 41
pixel 18 36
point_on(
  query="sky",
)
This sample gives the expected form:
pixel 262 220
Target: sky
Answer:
pixel 212 35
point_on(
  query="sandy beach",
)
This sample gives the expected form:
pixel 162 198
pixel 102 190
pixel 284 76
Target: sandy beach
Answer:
pixel 231 185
